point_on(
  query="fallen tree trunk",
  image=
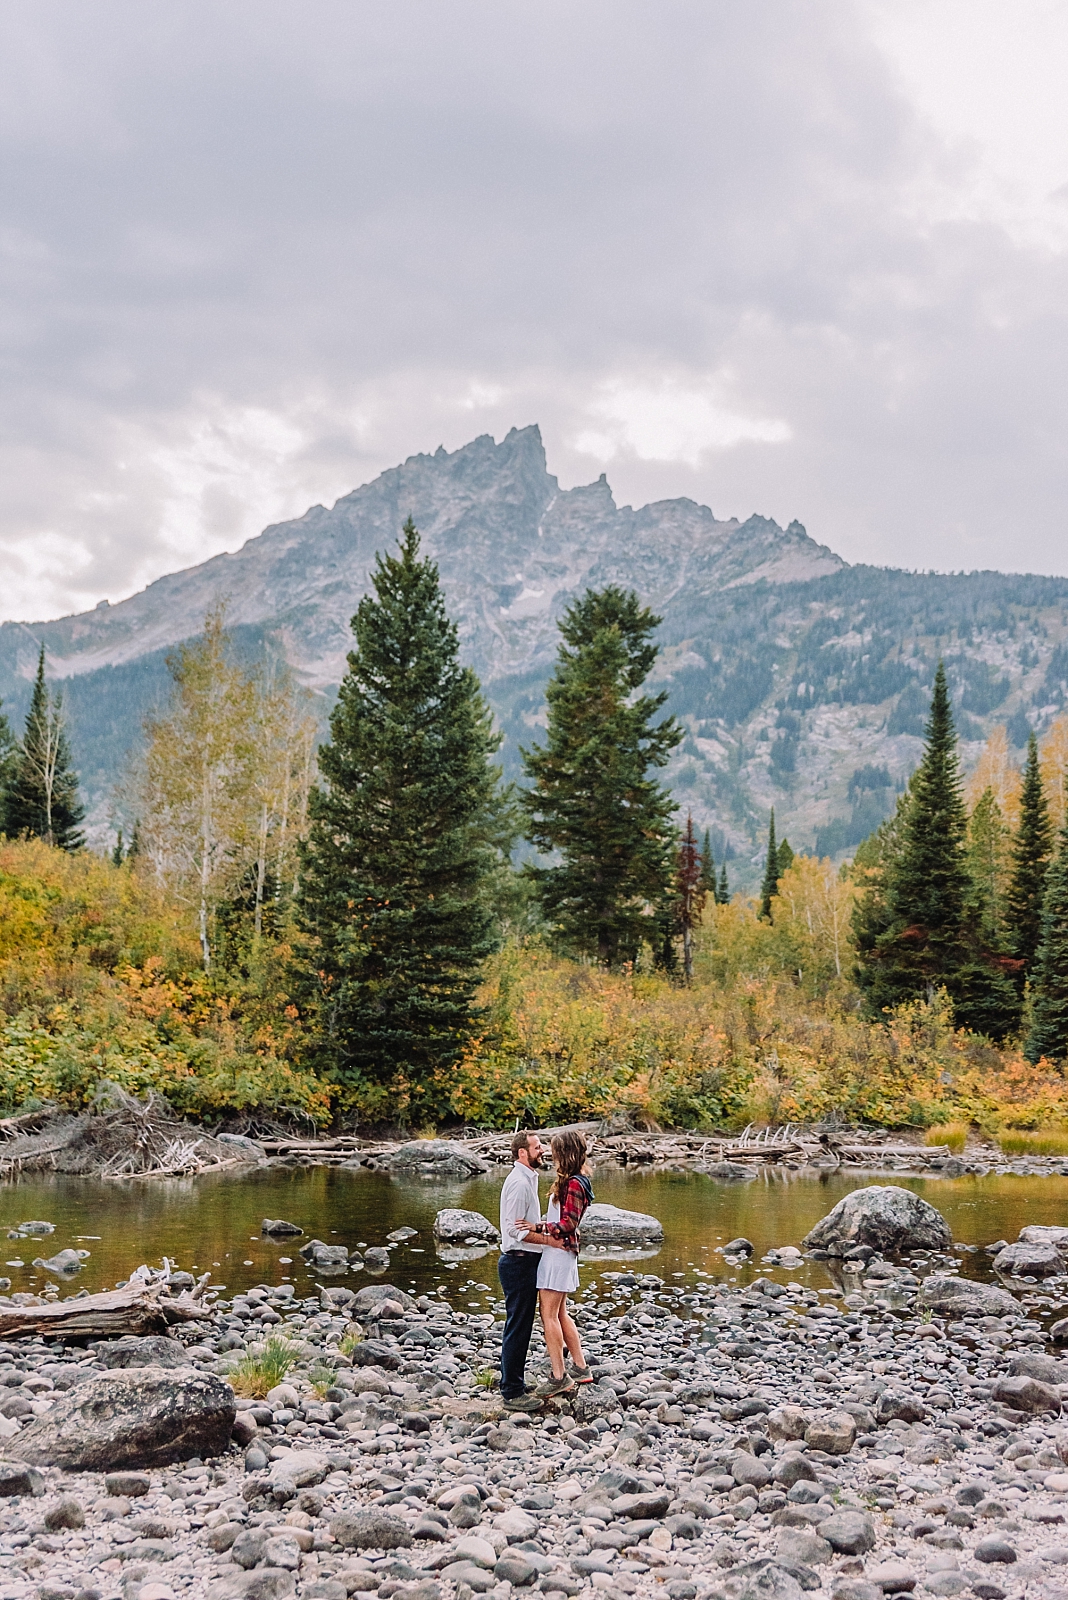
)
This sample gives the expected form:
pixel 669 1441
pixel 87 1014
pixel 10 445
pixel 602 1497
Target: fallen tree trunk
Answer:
pixel 135 1309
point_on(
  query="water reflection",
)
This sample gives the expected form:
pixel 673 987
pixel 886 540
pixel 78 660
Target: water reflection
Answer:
pixel 214 1223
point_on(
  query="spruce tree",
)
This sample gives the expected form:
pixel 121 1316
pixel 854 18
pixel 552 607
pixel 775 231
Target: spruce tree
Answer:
pixel 784 857
pixel 400 850
pixel 1049 1020
pixel 8 756
pixel 41 797
pixel 917 926
pixel 708 866
pixel 593 798
pixel 771 872
pixel 988 846
pixel 1031 853
pixel 723 893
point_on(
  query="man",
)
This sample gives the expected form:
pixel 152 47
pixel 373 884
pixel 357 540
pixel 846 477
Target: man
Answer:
pixel 518 1270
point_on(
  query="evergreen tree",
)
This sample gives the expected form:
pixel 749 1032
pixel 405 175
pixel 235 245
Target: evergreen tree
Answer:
pixel 784 857
pixel 771 872
pixel 723 893
pixel 41 798
pixel 708 866
pixel 1049 1022
pixel 593 798
pixel 988 849
pixel 400 849
pixel 118 855
pixel 8 756
pixel 1031 853
pixel 917 926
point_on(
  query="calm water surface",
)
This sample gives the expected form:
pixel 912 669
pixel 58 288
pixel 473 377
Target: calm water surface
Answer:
pixel 212 1224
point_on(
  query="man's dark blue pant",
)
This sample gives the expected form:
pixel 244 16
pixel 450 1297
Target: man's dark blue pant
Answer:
pixel 518 1272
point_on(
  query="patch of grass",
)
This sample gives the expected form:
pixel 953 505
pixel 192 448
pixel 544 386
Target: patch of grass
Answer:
pixel 256 1376
pixel 349 1341
pixel 486 1377
pixel 1052 1143
pixel 953 1134
pixel 321 1378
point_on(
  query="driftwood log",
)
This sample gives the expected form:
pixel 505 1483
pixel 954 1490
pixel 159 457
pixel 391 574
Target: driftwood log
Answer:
pixel 137 1309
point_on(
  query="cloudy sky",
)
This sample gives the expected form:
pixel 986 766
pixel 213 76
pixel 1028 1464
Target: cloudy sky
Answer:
pixel 789 256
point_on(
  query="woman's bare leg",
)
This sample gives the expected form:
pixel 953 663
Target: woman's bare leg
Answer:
pixel 570 1335
pixel 551 1302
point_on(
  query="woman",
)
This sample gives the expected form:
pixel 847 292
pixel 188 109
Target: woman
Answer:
pixel 558 1269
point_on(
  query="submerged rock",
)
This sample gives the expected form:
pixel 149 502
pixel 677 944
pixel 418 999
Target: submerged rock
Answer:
pixel 886 1217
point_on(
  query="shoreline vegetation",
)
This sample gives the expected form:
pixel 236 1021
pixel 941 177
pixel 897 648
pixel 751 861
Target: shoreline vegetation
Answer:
pixel 341 940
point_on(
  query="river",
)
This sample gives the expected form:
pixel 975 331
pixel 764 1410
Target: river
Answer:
pixel 213 1224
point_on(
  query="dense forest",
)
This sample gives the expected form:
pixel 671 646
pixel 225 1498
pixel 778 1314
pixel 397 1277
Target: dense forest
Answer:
pixel 378 927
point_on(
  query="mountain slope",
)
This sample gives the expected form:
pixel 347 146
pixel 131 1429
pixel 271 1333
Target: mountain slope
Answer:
pixel 793 671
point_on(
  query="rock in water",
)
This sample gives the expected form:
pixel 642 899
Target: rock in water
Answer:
pixel 611 1227
pixel 943 1291
pixel 433 1158
pixel 884 1216
pixel 143 1417
pixel 64 1262
pixel 1040 1259
pixel 455 1227
pixel 278 1228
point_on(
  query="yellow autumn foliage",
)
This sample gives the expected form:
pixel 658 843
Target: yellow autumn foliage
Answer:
pixel 100 979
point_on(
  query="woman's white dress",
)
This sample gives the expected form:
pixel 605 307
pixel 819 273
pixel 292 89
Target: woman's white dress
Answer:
pixel 557 1269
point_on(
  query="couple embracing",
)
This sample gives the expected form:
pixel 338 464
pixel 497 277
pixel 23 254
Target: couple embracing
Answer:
pixel 539 1264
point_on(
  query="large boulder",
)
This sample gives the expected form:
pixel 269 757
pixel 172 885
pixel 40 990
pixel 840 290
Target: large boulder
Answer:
pixel 945 1292
pixel 138 1417
pixel 611 1228
pixel 455 1228
pixel 1040 1259
pixel 886 1217
pixel 433 1158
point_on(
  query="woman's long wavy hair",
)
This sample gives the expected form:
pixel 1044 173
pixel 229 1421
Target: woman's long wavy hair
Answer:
pixel 569 1158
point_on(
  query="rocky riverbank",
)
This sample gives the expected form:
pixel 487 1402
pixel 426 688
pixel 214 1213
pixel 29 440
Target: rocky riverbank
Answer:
pixel 901 1431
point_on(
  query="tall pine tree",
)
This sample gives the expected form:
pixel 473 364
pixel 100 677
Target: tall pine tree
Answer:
pixel 918 927
pixel 690 895
pixel 593 798
pixel 771 872
pixel 723 893
pixel 41 796
pixel 400 849
pixel 1031 853
pixel 1049 1019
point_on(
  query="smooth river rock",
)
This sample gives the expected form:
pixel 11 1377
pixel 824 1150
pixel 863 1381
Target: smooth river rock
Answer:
pixel 455 1227
pixel 885 1217
pixel 610 1227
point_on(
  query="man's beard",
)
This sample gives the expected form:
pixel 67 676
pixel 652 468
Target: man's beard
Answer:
pixel 537 1162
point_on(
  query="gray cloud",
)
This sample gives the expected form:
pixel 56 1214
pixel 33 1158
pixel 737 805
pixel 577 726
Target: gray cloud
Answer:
pixel 252 253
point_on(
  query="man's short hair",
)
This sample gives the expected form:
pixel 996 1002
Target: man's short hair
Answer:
pixel 520 1142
